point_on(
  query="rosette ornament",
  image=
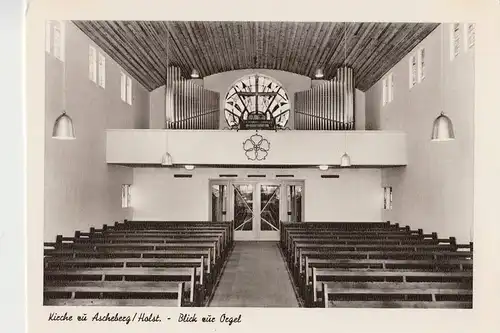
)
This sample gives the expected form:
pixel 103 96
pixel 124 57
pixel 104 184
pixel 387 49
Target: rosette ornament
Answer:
pixel 256 147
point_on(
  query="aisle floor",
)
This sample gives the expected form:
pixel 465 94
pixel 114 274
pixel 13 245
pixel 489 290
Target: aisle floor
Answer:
pixel 255 276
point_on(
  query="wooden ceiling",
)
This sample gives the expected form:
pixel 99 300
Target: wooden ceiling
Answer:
pixel 141 47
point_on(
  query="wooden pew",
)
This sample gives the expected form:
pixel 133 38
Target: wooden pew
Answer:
pixel 64 293
pixel 134 251
pixel 387 275
pixel 396 295
pixel 190 276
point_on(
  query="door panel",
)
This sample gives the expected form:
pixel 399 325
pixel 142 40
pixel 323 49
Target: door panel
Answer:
pixel 256 207
pixel 243 207
pixel 270 207
pixel 219 202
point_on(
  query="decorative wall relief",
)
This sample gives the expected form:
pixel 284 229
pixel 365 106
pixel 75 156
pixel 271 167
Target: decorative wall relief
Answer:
pixel 256 147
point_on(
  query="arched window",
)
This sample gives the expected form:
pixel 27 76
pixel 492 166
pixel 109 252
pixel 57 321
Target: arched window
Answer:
pixel 259 97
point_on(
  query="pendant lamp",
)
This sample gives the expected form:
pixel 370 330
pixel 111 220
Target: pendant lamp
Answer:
pixel 345 160
pixel 319 73
pixel 166 159
pixel 442 128
pixel 323 167
pixel 63 126
pixel 195 74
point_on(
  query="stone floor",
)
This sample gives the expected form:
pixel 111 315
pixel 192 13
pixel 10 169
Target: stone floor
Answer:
pixel 255 276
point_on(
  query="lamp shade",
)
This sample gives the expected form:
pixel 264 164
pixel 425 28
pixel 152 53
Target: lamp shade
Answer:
pixel 323 167
pixel 189 167
pixel 195 74
pixel 442 129
pixel 345 160
pixel 319 73
pixel 63 128
pixel 166 159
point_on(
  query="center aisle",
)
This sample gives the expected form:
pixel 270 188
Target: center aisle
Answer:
pixel 255 276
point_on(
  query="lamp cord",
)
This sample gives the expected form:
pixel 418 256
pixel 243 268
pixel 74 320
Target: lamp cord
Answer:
pixel 345 88
pixel 442 68
pixel 62 43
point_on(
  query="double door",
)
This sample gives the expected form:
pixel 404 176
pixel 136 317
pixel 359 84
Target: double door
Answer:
pixel 257 207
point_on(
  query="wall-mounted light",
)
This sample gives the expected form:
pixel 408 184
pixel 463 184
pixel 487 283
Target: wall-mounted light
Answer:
pixel 323 167
pixel 189 167
pixel 319 73
pixel 195 74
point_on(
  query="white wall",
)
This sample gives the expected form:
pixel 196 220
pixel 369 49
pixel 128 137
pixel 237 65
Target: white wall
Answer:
pixel 359 110
pixel 355 196
pixel 81 190
pixel 157 108
pixel 435 190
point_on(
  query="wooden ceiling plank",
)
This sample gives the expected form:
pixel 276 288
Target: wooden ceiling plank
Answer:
pixel 217 49
pixel 104 41
pixel 327 42
pixel 178 46
pixel 225 60
pixel 186 47
pixel 407 46
pixel 141 48
pixel 318 59
pixel 337 59
pixel 381 61
pixel 198 44
pixel 395 34
pixel 300 44
pixel 313 46
pixel 367 41
pixel 137 52
pixel 333 50
pixel 289 38
pixel 161 47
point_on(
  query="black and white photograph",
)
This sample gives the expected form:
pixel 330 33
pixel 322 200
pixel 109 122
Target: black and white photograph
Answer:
pixel 258 164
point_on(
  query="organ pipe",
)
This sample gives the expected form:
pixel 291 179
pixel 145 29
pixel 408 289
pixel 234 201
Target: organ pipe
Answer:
pixel 328 106
pixel 187 105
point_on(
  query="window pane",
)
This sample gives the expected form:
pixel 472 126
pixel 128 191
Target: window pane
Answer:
pixel 243 207
pixel 269 207
pixel 384 91
pixel 391 87
pixel 129 90
pixel 219 197
pixel 102 70
pixel 92 64
pixel 123 85
pixel 257 95
pixel 455 40
pixel 421 72
pixel 57 41
pixel 471 34
pixel 48 36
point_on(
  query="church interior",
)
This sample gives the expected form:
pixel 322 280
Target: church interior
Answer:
pixel 258 164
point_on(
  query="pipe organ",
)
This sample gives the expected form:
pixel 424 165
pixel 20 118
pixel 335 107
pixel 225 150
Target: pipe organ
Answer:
pixel 188 105
pixel 328 106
